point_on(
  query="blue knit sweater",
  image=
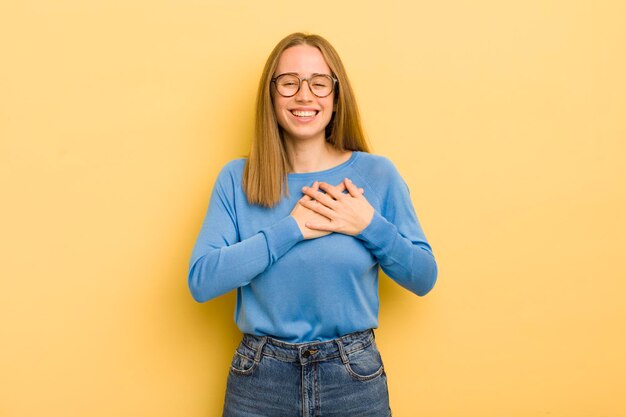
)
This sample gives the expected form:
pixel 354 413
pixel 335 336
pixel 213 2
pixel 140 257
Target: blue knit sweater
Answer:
pixel 301 290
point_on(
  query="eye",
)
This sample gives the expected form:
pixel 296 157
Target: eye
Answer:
pixel 321 81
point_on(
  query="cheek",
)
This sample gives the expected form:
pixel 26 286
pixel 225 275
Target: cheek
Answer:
pixel 331 103
pixel 279 102
pixel 278 110
pixel 331 107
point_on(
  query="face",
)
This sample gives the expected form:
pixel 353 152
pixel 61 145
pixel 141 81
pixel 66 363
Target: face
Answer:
pixel 303 116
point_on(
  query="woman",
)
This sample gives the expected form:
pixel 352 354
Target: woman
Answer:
pixel 299 229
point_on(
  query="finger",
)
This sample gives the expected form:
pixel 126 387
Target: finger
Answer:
pixel 352 189
pixel 319 208
pixel 331 190
pixel 325 199
pixel 307 212
pixel 324 227
pixel 314 186
pixel 341 187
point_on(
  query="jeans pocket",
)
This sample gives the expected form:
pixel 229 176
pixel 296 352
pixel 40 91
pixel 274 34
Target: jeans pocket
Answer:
pixel 365 364
pixel 243 362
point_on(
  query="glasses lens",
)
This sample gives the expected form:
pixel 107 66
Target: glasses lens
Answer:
pixel 321 85
pixel 287 85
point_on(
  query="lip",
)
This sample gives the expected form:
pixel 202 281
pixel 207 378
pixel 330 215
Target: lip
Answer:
pixel 304 119
pixel 304 109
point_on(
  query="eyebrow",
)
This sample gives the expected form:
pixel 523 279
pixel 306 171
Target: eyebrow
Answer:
pixel 298 74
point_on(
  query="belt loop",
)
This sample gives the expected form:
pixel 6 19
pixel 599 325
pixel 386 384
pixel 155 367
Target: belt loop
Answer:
pixel 257 356
pixel 342 352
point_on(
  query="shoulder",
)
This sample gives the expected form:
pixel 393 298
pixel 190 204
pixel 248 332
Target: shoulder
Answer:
pixel 229 178
pixel 235 166
pixel 375 166
pixel 232 170
pixel 381 175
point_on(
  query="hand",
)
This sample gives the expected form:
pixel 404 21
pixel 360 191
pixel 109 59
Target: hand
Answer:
pixel 344 213
pixel 303 215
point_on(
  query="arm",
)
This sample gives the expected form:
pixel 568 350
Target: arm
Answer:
pixel 409 261
pixel 393 235
pixel 397 240
pixel 220 261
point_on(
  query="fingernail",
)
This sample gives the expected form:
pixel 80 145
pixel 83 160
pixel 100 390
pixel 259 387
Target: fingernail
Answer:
pixel 305 188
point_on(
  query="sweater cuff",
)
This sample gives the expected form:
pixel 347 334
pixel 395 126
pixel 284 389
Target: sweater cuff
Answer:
pixel 380 233
pixel 281 237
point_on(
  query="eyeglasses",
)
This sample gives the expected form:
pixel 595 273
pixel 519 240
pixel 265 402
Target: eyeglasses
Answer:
pixel 288 84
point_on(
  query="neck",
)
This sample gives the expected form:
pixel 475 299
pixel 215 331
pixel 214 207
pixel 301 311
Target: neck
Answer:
pixel 312 156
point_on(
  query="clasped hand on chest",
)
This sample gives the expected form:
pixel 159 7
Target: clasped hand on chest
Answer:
pixel 326 208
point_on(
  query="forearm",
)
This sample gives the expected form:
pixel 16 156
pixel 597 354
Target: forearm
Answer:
pixel 220 270
pixel 216 270
pixel 410 263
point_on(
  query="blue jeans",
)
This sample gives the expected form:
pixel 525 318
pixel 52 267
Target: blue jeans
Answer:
pixel 339 378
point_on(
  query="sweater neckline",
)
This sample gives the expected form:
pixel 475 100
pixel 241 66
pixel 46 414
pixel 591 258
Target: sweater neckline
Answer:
pixel 317 174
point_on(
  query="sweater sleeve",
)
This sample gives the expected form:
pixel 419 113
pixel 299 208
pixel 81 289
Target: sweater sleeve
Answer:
pixel 396 239
pixel 220 261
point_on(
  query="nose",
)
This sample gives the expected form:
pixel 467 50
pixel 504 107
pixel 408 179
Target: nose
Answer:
pixel 304 93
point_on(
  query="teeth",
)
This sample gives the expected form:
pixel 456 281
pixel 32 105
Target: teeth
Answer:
pixel 303 113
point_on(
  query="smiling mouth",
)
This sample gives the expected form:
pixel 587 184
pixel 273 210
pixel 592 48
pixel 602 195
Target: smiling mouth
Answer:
pixel 300 113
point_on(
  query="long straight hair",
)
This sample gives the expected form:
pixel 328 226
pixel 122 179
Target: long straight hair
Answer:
pixel 265 173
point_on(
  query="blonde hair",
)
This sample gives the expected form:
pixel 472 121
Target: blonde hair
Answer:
pixel 265 173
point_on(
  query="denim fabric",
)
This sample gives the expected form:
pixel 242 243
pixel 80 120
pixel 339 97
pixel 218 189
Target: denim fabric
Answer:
pixel 338 378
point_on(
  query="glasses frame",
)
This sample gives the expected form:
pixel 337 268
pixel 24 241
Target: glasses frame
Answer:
pixel 308 82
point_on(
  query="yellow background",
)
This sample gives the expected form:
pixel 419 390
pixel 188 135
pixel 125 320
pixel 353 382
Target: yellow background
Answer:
pixel 506 118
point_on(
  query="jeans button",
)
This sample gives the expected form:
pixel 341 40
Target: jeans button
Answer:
pixel 308 353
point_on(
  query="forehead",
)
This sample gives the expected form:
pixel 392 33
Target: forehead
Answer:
pixel 303 59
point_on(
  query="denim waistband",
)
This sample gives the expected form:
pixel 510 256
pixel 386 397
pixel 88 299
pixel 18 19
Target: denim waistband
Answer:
pixel 309 351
